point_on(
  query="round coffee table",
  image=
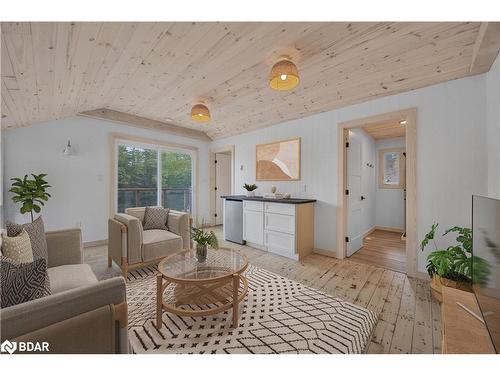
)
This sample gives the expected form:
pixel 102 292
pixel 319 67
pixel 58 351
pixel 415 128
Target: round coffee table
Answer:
pixel 201 288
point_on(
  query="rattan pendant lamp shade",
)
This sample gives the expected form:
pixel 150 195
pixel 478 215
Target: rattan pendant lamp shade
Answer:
pixel 200 113
pixel 284 76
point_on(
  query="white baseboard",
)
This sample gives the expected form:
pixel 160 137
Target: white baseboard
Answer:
pixel 95 243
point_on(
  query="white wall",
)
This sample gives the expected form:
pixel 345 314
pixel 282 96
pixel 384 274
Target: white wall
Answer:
pixel 493 129
pixel 80 191
pixel 453 149
pixel 389 203
pixel 451 160
pixel 367 177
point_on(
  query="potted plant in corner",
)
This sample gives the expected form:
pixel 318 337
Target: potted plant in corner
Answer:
pixel 250 189
pixel 30 192
pixel 452 267
pixel 203 239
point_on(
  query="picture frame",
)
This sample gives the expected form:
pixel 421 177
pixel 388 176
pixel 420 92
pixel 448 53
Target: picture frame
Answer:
pixel 278 161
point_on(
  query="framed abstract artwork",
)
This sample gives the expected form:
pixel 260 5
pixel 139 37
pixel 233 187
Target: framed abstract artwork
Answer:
pixel 278 161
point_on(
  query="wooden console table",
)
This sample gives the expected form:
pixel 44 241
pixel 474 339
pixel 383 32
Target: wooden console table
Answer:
pixel 462 333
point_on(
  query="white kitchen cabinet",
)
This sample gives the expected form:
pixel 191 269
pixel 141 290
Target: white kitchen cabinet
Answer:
pixel 253 227
pixel 280 243
pixel 285 229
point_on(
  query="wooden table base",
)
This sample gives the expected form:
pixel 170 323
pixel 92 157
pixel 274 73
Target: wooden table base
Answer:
pixel 196 293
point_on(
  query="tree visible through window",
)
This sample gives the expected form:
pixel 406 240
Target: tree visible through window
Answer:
pixel 142 183
pixel 391 169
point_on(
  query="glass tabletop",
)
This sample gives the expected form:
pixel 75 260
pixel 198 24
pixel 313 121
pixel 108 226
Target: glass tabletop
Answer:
pixel 219 263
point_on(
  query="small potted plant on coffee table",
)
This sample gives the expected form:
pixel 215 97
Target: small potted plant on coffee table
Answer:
pixel 203 239
pixel 250 189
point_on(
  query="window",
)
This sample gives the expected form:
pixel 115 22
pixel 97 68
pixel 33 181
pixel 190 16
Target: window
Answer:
pixel 391 169
pixel 152 175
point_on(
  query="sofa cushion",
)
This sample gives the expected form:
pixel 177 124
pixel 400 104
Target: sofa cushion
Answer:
pixel 70 276
pixel 22 282
pixel 159 243
pixel 36 231
pixel 155 218
pixel 18 248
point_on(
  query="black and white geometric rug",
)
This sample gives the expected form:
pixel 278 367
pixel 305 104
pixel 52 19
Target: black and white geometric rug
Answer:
pixel 277 316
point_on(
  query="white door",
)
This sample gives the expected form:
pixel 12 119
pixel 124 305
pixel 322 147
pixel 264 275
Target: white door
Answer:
pixel 223 184
pixel 354 230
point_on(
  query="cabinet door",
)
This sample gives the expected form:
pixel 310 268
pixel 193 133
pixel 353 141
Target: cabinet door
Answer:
pixel 253 227
pixel 280 223
pixel 280 243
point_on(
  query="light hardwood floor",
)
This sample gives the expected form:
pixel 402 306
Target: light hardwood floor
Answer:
pixel 409 320
pixel 382 249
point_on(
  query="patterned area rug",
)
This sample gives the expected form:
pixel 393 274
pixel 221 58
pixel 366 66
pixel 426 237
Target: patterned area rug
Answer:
pixel 277 316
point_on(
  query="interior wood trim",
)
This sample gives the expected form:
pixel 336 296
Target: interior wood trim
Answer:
pixel 144 123
pixel 410 115
pixel 113 138
pixel 370 231
pixel 486 47
pixel 327 253
pixel 389 229
pixel 213 151
pixel 380 168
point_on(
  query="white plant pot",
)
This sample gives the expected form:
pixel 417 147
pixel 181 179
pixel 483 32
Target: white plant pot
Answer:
pixel 251 193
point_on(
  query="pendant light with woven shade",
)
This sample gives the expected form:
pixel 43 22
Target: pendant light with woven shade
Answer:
pixel 284 76
pixel 200 113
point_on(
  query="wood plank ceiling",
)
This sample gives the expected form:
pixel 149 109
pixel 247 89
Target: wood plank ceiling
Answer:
pixel 159 70
pixel 385 130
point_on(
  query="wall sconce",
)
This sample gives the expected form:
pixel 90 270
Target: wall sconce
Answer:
pixel 369 165
pixel 68 151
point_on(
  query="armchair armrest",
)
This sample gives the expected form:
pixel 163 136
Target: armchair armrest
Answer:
pixel 40 313
pixel 64 247
pixel 178 223
pixel 134 237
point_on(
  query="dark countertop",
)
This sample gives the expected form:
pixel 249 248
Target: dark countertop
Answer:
pixel 262 199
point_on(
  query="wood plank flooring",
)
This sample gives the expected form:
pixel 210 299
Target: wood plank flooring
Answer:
pixel 382 249
pixel 409 319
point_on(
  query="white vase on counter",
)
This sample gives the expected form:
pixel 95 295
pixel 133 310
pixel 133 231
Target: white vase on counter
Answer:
pixel 251 193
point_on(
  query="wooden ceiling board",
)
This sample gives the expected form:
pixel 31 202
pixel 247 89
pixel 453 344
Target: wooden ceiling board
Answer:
pixel 385 130
pixel 158 71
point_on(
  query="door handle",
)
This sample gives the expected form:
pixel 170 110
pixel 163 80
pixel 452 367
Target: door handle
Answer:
pixel 363 198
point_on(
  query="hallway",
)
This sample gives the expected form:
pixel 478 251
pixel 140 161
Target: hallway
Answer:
pixel 382 249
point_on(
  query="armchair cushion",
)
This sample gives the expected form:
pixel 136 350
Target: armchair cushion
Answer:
pixel 36 232
pixel 159 243
pixel 64 247
pixel 155 218
pixel 22 282
pixel 70 276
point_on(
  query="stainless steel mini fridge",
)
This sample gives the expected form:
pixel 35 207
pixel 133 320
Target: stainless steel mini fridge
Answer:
pixel 233 221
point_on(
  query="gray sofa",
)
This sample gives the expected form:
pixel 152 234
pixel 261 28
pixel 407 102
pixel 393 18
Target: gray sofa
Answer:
pixel 82 315
pixel 130 246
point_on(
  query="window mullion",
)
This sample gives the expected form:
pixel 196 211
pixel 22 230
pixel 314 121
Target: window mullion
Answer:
pixel 159 181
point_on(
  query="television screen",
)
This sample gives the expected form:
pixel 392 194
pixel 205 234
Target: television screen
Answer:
pixel 486 262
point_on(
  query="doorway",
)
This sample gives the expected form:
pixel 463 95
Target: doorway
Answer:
pixel 377 191
pixel 221 181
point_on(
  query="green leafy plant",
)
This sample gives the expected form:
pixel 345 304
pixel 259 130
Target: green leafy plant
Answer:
pixel 251 187
pixel 202 238
pixel 30 192
pixel 455 262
